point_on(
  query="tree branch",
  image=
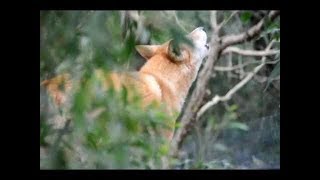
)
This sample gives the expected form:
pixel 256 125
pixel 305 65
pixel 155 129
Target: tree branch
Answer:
pixel 213 19
pixel 232 91
pixel 229 94
pixel 198 93
pixel 263 79
pixel 188 116
pixel 224 22
pixel 221 68
pixel 249 34
pixel 249 52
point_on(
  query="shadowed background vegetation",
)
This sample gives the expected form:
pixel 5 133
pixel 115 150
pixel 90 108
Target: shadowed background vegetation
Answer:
pixel 99 130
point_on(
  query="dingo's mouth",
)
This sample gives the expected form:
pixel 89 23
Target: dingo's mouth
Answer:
pixel 207 46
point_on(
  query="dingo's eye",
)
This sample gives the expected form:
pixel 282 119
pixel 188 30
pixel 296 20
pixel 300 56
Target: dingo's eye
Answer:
pixel 207 46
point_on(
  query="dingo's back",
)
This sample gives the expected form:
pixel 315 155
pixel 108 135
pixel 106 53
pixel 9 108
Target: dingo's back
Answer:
pixel 166 77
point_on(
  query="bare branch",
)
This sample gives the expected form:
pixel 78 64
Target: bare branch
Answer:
pixel 249 34
pixel 191 108
pixel 249 52
pixel 213 18
pixel 229 62
pixel 189 113
pixel 229 94
pixel 241 71
pixel 198 93
pixel 224 22
pixel 262 79
pixel 221 68
pixel 232 91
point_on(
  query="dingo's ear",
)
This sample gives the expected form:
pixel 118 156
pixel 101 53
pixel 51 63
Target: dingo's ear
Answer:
pixel 176 52
pixel 147 51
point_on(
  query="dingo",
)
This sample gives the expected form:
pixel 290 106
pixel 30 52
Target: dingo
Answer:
pixel 166 76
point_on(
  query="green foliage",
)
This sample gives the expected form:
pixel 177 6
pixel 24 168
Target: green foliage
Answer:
pixel 122 136
pixel 45 130
pixel 238 125
pixel 273 28
pixel 245 16
pixel 109 129
pixel 180 38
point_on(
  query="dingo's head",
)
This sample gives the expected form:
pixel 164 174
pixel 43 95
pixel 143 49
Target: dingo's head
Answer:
pixel 179 52
pixel 200 47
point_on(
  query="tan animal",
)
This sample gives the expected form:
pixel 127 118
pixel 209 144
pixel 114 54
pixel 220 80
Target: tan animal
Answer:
pixel 166 77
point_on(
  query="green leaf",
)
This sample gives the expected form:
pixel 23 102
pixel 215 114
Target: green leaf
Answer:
pixel 45 130
pixel 178 125
pixel 92 140
pixel 124 95
pixel 233 107
pixel 273 25
pixel 164 149
pixel 245 17
pixel 276 35
pixel 180 38
pixel 126 53
pixel 58 159
pixel 232 116
pixel 239 125
pixel 274 32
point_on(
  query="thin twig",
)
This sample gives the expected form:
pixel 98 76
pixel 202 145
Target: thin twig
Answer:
pixel 230 64
pixel 225 21
pixel 213 19
pixel 245 52
pixel 249 34
pixel 221 68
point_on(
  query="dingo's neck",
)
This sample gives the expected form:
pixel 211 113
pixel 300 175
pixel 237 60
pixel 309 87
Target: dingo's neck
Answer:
pixel 174 80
